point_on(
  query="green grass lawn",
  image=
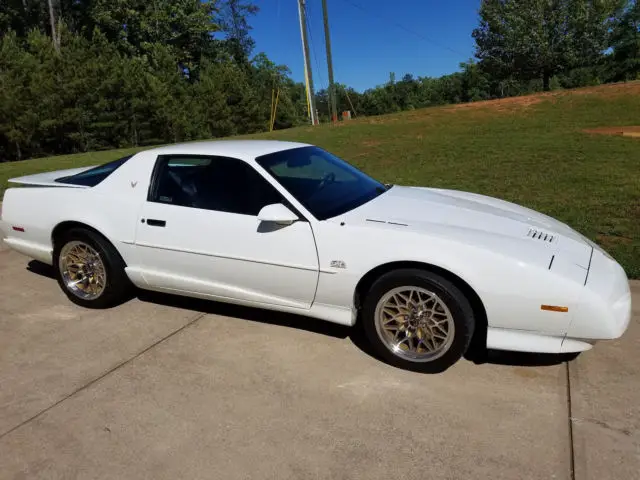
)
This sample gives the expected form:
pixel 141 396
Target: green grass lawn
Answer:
pixel 531 151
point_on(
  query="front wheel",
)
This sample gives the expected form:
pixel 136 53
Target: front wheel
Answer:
pixel 418 320
pixel 89 269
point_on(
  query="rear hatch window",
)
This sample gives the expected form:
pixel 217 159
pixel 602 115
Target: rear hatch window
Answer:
pixel 95 175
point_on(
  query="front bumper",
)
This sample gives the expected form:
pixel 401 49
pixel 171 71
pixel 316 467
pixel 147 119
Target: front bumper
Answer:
pixel 603 310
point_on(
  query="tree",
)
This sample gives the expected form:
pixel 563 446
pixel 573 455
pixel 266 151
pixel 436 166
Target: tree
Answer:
pixel 475 82
pixel 625 41
pixel 132 72
pixel 184 26
pixel 540 38
pixel 267 80
pixel 232 18
pixel 16 114
pixel 23 16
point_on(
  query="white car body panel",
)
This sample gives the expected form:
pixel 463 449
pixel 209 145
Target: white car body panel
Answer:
pixel 228 257
pixel 513 258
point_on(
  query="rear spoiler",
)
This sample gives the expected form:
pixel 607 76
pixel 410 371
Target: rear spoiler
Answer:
pixel 48 179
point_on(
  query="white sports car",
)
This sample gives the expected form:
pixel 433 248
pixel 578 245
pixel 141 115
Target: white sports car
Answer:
pixel 291 227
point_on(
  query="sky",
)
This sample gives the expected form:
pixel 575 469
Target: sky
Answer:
pixel 369 38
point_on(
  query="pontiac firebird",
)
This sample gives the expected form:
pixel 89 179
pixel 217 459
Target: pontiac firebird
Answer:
pixel 293 228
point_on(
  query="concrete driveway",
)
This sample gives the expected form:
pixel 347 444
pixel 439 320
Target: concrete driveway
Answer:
pixel 168 388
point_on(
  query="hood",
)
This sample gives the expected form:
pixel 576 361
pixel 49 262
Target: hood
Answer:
pixel 423 208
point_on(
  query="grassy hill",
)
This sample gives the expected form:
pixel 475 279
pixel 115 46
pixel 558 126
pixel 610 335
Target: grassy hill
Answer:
pixel 531 150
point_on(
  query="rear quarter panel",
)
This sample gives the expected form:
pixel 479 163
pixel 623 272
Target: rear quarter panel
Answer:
pixel 111 208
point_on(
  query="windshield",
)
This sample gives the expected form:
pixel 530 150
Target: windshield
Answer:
pixel 326 185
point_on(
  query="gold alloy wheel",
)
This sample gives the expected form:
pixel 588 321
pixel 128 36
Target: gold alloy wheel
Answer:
pixel 82 270
pixel 414 324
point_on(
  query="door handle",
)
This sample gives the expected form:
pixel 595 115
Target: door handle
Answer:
pixel 152 222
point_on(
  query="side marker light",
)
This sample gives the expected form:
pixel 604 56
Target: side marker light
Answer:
pixel 554 308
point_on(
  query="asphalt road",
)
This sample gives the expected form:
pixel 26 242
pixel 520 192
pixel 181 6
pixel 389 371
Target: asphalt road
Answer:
pixel 168 388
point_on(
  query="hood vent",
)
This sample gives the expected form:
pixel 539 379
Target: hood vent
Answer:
pixel 536 234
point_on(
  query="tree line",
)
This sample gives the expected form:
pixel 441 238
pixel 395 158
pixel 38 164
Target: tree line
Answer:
pixel 522 46
pixel 80 75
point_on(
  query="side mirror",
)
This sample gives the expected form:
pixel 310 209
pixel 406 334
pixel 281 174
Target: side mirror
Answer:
pixel 277 213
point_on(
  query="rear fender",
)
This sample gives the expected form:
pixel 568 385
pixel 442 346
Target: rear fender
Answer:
pixel 37 211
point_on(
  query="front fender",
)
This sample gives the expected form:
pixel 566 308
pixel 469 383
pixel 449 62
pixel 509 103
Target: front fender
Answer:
pixel 511 289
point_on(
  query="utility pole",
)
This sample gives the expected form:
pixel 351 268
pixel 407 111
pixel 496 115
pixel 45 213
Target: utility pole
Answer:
pixel 307 63
pixel 332 87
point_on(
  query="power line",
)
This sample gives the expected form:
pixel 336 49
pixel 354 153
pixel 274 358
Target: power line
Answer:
pixel 313 50
pixel 315 57
pixel 396 24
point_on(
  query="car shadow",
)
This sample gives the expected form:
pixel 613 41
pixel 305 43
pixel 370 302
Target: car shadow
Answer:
pixel 477 354
pixel 41 269
pixel 270 317
pixel 240 312
pixel 522 359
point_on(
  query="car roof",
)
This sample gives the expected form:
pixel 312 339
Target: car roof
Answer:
pixel 244 149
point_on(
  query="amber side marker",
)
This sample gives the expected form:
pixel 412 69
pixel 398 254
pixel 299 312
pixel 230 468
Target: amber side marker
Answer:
pixel 554 308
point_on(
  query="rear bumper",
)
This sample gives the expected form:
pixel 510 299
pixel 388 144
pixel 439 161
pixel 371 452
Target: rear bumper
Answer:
pixel 603 311
pixel 30 249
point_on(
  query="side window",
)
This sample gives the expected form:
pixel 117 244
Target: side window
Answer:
pixel 211 183
pixel 176 179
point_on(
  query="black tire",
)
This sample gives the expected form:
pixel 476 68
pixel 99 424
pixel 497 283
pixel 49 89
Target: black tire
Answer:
pixel 458 305
pixel 569 357
pixel 118 286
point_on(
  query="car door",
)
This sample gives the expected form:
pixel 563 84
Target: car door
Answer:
pixel 198 232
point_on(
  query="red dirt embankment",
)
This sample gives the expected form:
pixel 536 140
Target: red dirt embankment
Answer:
pixel 631 131
pixel 610 90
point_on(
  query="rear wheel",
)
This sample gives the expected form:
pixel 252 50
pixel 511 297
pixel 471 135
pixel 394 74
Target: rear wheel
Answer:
pixel 89 269
pixel 418 320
